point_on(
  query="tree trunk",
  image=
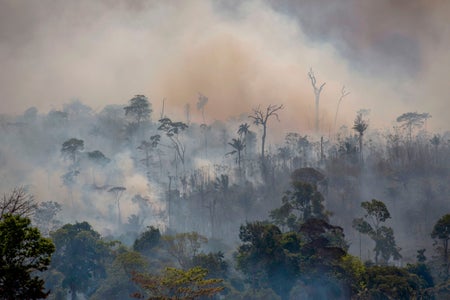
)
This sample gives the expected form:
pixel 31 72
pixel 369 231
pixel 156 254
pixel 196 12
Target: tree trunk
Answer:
pixel 317 112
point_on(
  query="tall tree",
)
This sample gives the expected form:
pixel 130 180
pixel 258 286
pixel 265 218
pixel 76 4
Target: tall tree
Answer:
pixel 238 147
pixel 173 130
pixel 139 108
pixel 410 120
pixel 117 191
pixel 343 95
pixel 72 148
pixel 317 91
pixel 383 236
pixel 261 117
pixel 24 253
pixel 201 103
pixel 360 126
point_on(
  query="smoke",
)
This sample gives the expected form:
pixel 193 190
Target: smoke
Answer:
pixel 392 56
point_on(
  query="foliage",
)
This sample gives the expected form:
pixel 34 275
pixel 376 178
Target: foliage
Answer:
pixel 213 262
pixel 184 246
pixel 81 256
pixel 118 284
pixel 441 232
pixel 299 204
pixel 388 282
pixel 383 236
pixel 176 284
pixel 23 254
pixel 139 107
pixel 72 148
pixel 147 240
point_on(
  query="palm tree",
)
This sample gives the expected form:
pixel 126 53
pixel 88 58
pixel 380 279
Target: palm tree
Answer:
pixel 238 146
pixel 243 130
pixel 360 125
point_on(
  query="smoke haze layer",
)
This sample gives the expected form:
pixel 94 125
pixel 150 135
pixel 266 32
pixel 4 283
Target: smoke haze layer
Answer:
pixel 392 57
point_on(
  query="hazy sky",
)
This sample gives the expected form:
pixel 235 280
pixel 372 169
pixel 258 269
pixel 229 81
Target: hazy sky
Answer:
pixel 393 56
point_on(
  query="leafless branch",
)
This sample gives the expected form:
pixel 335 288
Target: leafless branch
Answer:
pixel 18 202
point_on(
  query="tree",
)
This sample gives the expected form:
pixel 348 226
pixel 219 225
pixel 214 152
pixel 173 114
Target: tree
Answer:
pixel 147 147
pixel 140 108
pixel 173 130
pixel 184 246
pixel 72 148
pixel 261 117
pixel 176 284
pixel 98 158
pixel 317 91
pixel 441 232
pixel 243 130
pixel 238 147
pixel 201 103
pixel 81 256
pixel 299 204
pixel 376 214
pixel 18 202
pixel 360 125
pixel 147 240
pixel 343 95
pixel 117 191
pixel 411 120
pixel 23 254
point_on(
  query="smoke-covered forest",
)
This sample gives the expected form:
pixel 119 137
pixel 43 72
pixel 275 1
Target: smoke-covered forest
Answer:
pixel 271 180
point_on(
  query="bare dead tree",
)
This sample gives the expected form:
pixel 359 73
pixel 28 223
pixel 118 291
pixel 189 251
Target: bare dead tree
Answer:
pixel 18 202
pixel 343 95
pixel 317 91
pixel 261 117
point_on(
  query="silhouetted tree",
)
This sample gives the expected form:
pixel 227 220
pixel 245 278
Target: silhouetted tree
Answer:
pixel 411 120
pixel 383 236
pixel 343 95
pixel 261 117
pixel 72 148
pixel 317 91
pixel 139 108
pixel 360 126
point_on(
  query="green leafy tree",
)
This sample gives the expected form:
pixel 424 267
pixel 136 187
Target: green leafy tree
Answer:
pixel 267 258
pixel 24 253
pixel 302 202
pixel 118 284
pixel 389 282
pixel 213 262
pixel 147 240
pixel 383 236
pixel 441 233
pixel 176 284
pixel 81 256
